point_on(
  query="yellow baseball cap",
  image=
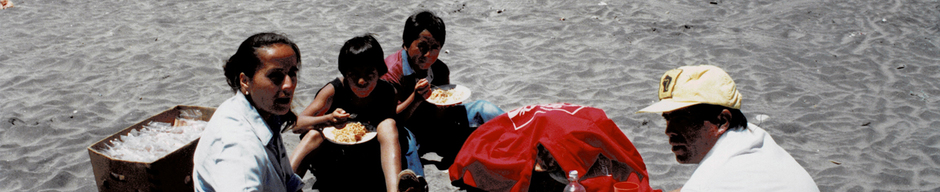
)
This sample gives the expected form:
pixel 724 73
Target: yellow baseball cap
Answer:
pixel 690 85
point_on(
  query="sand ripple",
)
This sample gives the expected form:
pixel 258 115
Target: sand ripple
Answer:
pixel 851 82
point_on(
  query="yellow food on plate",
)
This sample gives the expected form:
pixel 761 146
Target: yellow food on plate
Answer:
pixel 445 96
pixel 351 133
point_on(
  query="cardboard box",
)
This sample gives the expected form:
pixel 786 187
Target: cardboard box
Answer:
pixel 172 172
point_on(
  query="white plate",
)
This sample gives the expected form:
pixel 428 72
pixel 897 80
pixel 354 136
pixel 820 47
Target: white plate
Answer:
pixel 328 133
pixel 459 88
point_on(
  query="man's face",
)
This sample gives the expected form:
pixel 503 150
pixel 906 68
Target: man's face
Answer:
pixel 422 52
pixel 690 135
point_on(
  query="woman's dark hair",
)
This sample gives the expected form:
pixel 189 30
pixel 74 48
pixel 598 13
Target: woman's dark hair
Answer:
pixel 246 59
pixel 424 20
pixel 362 51
pixel 710 113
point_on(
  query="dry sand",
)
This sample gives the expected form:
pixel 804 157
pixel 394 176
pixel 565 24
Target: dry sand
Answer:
pixel 850 87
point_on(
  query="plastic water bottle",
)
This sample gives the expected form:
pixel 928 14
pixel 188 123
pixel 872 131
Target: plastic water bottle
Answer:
pixel 573 185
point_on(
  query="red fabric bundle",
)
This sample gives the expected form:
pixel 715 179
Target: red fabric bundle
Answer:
pixel 501 154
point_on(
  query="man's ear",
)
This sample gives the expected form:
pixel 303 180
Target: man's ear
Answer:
pixel 243 81
pixel 724 119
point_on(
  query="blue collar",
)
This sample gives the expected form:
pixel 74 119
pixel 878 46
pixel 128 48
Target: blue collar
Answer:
pixel 407 70
pixel 405 66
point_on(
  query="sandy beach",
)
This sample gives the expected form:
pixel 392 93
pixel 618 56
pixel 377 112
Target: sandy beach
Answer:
pixel 850 88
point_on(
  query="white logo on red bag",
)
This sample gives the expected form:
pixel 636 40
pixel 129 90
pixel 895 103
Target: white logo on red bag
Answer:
pixel 522 116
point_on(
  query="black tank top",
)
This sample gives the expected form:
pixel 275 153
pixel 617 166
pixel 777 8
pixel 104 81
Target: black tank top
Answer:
pixel 354 167
pixel 378 106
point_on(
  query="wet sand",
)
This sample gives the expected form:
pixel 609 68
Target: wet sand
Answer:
pixel 851 89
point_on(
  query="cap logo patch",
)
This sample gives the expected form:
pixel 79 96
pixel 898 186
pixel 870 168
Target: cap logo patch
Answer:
pixel 668 83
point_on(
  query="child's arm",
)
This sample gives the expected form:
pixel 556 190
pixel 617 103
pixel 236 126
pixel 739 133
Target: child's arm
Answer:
pixel 315 113
pixel 407 107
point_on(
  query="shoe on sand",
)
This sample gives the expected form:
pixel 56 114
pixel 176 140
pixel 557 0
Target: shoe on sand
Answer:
pixel 408 181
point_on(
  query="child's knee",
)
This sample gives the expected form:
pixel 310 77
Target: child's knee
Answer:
pixel 487 107
pixel 492 109
pixel 387 126
pixel 312 137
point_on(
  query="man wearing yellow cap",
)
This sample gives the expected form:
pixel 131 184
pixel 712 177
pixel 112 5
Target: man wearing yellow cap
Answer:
pixel 705 126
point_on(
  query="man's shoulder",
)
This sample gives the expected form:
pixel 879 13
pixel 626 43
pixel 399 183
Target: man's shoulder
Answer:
pixel 749 156
pixel 752 176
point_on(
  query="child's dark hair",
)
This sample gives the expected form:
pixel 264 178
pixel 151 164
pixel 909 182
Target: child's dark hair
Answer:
pixel 424 20
pixel 362 51
pixel 246 59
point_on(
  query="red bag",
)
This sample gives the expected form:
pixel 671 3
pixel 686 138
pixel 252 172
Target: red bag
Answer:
pixel 501 154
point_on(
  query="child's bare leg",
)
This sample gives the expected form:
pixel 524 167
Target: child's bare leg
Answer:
pixel 311 141
pixel 391 153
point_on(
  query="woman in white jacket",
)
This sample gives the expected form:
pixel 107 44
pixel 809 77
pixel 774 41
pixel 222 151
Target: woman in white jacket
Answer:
pixel 241 148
